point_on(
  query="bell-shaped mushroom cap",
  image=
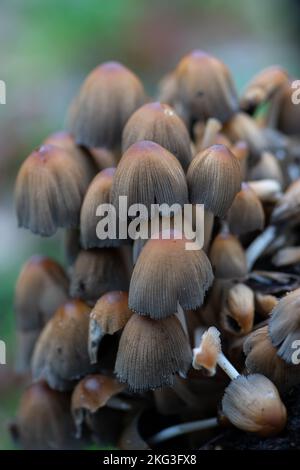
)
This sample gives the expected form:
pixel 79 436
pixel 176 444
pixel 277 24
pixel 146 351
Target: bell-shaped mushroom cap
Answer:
pixel 65 140
pixel 90 394
pixel 49 191
pixel 205 88
pixel 214 178
pixel 206 355
pixel 243 127
pixel 159 123
pixel 41 288
pixel 288 113
pixel 264 304
pixel 263 86
pixel 284 326
pixel 252 403
pixel 288 206
pixel 44 420
pixel 109 315
pixel 61 354
pixel 98 271
pixel 246 213
pixel 149 174
pixel 237 316
pixel 262 358
pixel 151 352
pixel 98 193
pixel 165 274
pixel 267 167
pixel 228 257
pixel 107 98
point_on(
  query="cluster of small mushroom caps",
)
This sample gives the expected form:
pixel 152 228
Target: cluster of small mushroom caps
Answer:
pixel 127 326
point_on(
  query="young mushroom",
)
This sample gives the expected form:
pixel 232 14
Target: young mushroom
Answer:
pixel 61 353
pixel 49 191
pixel 149 174
pixel 109 315
pixel 227 257
pixel 246 213
pixel 237 315
pixel 159 123
pixel 252 403
pixel 41 288
pixel 166 274
pixel 107 98
pixel 151 352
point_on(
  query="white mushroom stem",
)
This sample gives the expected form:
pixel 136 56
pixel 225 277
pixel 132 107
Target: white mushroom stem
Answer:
pixel 181 317
pixel 227 366
pixel 184 428
pixel 258 246
pixel 212 128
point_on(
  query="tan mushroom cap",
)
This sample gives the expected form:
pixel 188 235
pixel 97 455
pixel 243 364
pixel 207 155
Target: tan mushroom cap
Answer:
pixel 165 274
pixel 227 257
pixel 214 179
pixel 159 123
pixel 206 355
pixel 246 213
pixel 237 316
pixel 151 352
pixel 61 353
pixel 107 98
pixel 49 191
pixel 252 403
pixel 149 174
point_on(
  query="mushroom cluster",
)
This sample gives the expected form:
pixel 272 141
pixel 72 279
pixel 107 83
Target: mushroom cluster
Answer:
pixel 130 326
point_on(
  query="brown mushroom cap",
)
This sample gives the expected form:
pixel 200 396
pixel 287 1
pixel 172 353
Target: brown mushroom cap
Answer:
pixel 159 123
pixel 151 352
pixel 98 271
pixel 214 178
pixel 288 206
pixel 267 167
pixel 228 257
pixel 49 191
pixel 262 358
pixel 288 113
pixel 252 403
pixel 109 315
pixel 165 274
pixel 205 88
pixel 246 213
pixel 90 394
pixel 237 316
pixel 206 355
pixel 98 193
pixel 107 98
pixel 149 174
pixel 284 325
pixel 44 420
pixel 61 353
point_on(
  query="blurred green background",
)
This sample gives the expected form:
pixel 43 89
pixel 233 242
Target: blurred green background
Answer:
pixel 48 46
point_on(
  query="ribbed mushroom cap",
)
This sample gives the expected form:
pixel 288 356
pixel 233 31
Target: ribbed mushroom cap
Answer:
pixel 252 403
pixel 107 98
pixel 214 178
pixel 149 174
pixel 41 288
pixel 65 140
pixel 44 420
pixel 90 394
pixel 98 193
pixel 49 191
pixel 289 205
pixel 263 86
pixel 237 316
pixel 206 355
pixel 267 167
pixel 61 353
pixel 284 325
pixel 228 257
pixel 165 274
pixel 151 352
pixel 109 315
pixel 262 358
pixel 98 271
pixel 243 127
pixel 159 123
pixel 205 88
pixel 246 213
